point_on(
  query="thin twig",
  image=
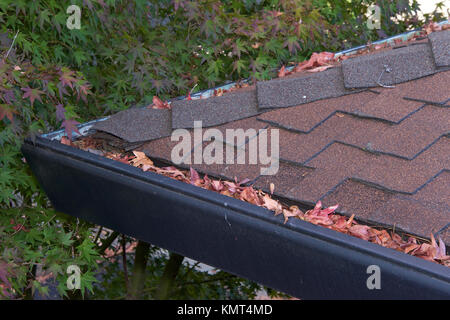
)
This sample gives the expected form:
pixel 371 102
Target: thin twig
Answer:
pixel 124 261
pixel 12 44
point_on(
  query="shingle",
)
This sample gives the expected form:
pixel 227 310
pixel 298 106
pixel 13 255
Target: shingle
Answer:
pixel 440 45
pixel 415 133
pixel 411 216
pixel 434 88
pixel 299 90
pixel 407 175
pixel 138 124
pixel 388 105
pixel 357 198
pixel 437 190
pixel 289 177
pixel 407 63
pixel 215 110
pixel 160 148
pixel 316 185
pixel 306 117
pixel 248 126
pixel 199 157
pixel 386 171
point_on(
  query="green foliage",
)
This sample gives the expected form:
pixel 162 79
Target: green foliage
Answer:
pixel 131 50
pixel 32 100
pixel 126 52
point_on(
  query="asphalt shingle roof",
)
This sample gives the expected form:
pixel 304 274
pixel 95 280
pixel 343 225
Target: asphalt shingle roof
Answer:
pixel 381 153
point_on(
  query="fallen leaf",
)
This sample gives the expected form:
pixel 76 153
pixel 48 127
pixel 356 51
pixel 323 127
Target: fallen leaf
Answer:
pixel 249 195
pixel 271 204
pixel 195 178
pixel 316 60
pixel 320 69
pixel 159 104
pixel 70 126
pixel 282 72
pixel 217 185
pixel 360 231
pixel 141 160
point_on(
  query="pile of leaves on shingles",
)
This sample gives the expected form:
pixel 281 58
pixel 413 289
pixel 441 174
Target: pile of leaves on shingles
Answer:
pixel 434 251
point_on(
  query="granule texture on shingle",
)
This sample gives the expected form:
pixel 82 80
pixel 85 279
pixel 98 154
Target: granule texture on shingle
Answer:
pixel 138 124
pixel 305 118
pixel 215 110
pixel 417 217
pixel 437 190
pixel 295 91
pixel 356 197
pixel 440 45
pixel 405 64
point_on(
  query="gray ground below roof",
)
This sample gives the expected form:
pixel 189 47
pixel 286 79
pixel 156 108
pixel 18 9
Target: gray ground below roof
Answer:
pixel 440 44
pixel 215 110
pixel 405 64
pixel 138 124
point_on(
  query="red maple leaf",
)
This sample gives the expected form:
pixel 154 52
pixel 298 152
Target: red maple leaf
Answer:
pixel 316 60
pixel 60 112
pixel 195 177
pixel 6 111
pixel 70 126
pixel 159 104
pixel 4 282
pixel 282 72
pixel 32 94
pixel 66 78
pixel 17 226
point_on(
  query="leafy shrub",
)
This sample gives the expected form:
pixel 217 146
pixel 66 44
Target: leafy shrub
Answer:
pixel 131 50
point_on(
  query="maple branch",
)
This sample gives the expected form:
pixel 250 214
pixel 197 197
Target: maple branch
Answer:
pixel 124 261
pixel 31 276
pixel 140 264
pixel 169 275
pixel 107 242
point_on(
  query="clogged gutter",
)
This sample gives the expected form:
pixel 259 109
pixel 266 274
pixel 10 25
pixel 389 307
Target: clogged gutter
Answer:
pixel 434 250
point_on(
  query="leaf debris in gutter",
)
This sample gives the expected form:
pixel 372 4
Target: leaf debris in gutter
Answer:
pixel 434 251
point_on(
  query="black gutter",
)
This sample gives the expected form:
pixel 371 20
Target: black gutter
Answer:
pixel 299 258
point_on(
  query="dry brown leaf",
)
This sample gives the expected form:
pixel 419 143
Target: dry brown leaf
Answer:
pixel 272 188
pixel 141 159
pixel 271 204
pixel 288 214
pixel 360 231
pixel 320 69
